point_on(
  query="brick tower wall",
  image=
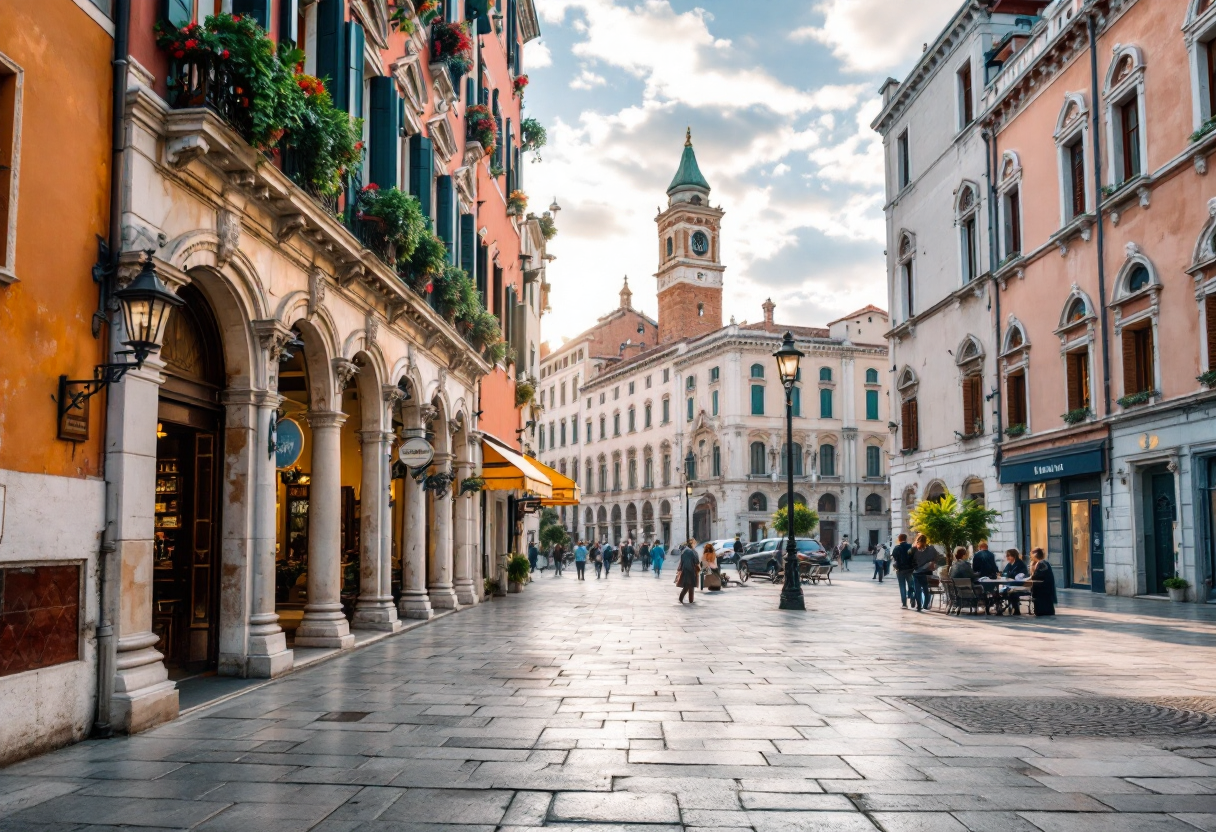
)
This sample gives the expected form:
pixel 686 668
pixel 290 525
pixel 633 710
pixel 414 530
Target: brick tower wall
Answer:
pixel 678 312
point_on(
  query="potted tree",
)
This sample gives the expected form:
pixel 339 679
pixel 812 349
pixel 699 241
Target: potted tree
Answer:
pixel 517 572
pixel 1176 587
pixel 948 524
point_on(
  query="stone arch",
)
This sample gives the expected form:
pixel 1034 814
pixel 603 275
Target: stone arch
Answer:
pixel 369 381
pixel 1077 308
pixel 323 393
pixel 936 490
pixel 873 504
pixel 1073 109
pixel 966 198
pixel 783 500
pixel 243 363
pixel 757 502
pixel 906 379
pixel 969 349
pixel 1134 269
pixel 827 504
pixel 1125 63
pixel 1015 337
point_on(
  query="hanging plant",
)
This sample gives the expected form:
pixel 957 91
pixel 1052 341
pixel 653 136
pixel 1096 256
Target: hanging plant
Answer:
pixel 519 84
pixel 395 216
pixel 486 330
pixel 452 44
pixel 524 392
pixel 401 19
pixel 471 485
pixel 482 128
pixel 325 146
pixel 548 228
pixel 427 10
pixel 533 136
pixel 517 203
pixel 429 259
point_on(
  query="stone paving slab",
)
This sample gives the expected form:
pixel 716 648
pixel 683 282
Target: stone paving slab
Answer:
pixel 609 707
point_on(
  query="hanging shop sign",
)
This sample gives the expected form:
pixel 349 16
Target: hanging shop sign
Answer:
pixel 416 452
pixel 288 443
pixel 1056 464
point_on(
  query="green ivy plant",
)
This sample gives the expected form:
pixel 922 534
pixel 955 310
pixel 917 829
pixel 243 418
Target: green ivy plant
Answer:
pixel 1208 379
pixel 524 392
pixel 533 136
pixel 1077 415
pixel 396 218
pixel 1014 431
pixel 1137 399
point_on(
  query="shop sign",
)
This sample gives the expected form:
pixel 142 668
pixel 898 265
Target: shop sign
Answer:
pixel 1065 463
pixel 416 452
pixel 288 443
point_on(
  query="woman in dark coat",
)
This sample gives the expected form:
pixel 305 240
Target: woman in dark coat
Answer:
pixel 690 570
pixel 1043 592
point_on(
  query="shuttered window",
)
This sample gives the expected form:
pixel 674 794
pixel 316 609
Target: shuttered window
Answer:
pixel 973 405
pixel 1078 379
pixel 1076 166
pixel 331 52
pixel 259 10
pixel 289 21
pixel 909 416
pixel 873 464
pixel 384 132
pixel 717 461
pixel 758 467
pixel 354 69
pixel 825 404
pixel 827 460
pixel 1138 359
pixel 796 399
pixel 1129 115
pixel 1209 308
pixel 1015 393
pixel 445 214
pixel 871 404
pixel 422 167
pixel 757 399
pixel 468 245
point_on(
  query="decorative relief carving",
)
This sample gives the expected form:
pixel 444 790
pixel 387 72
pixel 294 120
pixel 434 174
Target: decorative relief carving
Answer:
pixel 344 371
pixel 371 329
pixel 228 229
pixel 316 292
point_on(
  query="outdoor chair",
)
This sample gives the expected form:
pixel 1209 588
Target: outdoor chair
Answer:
pixel 821 572
pixel 947 592
pixel 966 594
pixel 936 588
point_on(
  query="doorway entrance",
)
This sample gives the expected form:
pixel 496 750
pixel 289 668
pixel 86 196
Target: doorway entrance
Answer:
pixel 1160 513
pixel 827 534
pixel 189 462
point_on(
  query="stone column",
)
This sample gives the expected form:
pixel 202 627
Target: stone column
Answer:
pixel 441 590
pixel 268 654
pixel 415 603
pixel 374 610
pixel 324 625
pixel 143 695
pixel 466 592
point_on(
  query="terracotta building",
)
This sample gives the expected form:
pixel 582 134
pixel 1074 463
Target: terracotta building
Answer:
pixel 268 491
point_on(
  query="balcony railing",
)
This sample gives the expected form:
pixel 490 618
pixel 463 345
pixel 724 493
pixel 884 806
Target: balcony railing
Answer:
pixel 207 81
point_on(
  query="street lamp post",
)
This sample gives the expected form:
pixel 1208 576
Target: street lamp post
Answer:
pixel 787 370
pixel 689 462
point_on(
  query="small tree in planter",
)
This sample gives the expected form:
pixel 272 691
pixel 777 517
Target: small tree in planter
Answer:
pixel 1176 587
pixel 806 520
pixel 517 572
pixel 395 217
pixel 524 392
pixel 949 524
pixel 472 485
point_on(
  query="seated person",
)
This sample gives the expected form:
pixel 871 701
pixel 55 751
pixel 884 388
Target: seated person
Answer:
pixel 1015 568
pixel 961 568
pixel 984 562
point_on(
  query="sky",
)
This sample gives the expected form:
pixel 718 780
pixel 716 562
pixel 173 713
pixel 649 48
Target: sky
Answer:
pixel 779 95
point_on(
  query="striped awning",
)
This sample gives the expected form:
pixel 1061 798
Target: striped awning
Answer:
pixel 565 490
pixel 506 469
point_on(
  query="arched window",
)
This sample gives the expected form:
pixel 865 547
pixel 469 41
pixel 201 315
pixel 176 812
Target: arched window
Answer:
pixel 966 217
pixel 757 371
pixel 670 247
pixel 717 460
pixel 797 459
pixel 827 460
pixel 827 504
pixel 1124 97
pixel 759 468
pixel 1076 311
pixel 907 275
pixel 825 373
pixel 757 502
pixel 799 500
pixel 1139 279
pixel 873 504
pixel 871 376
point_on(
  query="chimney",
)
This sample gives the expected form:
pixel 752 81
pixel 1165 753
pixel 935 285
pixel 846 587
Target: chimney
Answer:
pixel 769 306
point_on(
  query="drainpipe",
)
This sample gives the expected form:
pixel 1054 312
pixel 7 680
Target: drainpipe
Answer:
pixel 991 165
pixel 107 567
pixel 1101 237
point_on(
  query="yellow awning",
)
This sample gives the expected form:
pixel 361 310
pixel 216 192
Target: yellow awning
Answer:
pixel 565 490
pixel 506 469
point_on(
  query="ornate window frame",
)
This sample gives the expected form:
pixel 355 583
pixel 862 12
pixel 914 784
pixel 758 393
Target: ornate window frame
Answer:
pixel 8 266
pixel 1199 34
pixel 905 265
pixel 1122 296
pixel 1077 335
pixel 1072 122
pixel 1010 180
pixel 967 202
pixel 1203 272
pixel 1120 88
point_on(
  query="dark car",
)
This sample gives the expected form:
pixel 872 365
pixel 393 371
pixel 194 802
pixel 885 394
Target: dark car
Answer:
pixel 766 557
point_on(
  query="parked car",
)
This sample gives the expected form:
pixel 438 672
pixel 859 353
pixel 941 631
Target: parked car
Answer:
pixel 725 549
pixel 767 557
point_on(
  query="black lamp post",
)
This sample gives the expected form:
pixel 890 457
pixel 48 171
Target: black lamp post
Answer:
pixel 787 370
pixel 690 463
pixel 145 303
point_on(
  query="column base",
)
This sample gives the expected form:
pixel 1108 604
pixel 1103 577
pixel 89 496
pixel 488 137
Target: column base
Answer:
pixel 443 597
pixel 376 614
pixel 416 606
pixel 465 595
pixel 268 657
pixel 324 628
pixel 134 711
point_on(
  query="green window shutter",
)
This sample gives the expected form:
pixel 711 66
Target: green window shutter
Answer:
pixel 331 60
pixel 468 245
pixel 871 404
pixel 289 21
pixel 508 158
pixel 757 399
pixel 825 404
pixel 422 170
pixel 796 398
pixel 259 10
pixel 690 407
pixel 354 69
pixel 383 133
pixel 444 214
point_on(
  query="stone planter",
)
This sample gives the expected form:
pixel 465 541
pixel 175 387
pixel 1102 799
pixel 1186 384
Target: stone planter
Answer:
pixel 512 586
pixel 1177 593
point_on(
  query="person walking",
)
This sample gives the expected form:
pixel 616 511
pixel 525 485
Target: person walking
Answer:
pixel 609 556
pixel 597 557
pixel 558 556
pixel 690 569
pixel 1043 591
pixel 926 565
pixel 905 565
pixel 580 560
pixel 880 563
pixel 846 553
pixel 644 554
pixel 533 556
pixel 627 553
pixel 656 558
pixel 738 548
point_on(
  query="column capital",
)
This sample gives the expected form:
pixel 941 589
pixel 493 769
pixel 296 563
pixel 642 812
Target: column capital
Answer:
pixel 325 419
pixel 257 398
pixel 372 437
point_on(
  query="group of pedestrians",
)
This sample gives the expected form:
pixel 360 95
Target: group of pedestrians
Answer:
pixel 603 556
pixel 916 563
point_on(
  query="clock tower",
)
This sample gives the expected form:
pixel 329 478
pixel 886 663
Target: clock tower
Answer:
pixel 690 255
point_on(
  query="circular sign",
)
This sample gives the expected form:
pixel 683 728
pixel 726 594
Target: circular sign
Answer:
pixel 288 443
pixel 416 452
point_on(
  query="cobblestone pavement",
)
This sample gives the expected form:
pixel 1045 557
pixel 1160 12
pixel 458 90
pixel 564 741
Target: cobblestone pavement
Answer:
pixel 607 706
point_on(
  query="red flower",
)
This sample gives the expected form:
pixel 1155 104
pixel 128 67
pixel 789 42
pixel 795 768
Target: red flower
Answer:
pixel 179 54
pixel 224 54
pixel 176 45
pixel 244 101
pixel 236 18
pixel 191 44
pixel 430 287
pixel 359 145
pixel 371 186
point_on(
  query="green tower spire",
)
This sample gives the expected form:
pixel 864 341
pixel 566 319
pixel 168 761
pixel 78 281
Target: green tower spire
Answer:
pixel 689 173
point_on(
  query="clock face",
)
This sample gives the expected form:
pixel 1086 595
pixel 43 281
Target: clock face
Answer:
pixel 700 243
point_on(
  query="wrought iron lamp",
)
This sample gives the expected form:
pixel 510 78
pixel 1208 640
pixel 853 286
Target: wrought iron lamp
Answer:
pixel 788 358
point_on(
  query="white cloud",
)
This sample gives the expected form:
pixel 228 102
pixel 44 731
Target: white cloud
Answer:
pixel 586 80
pixel 538 55
pixel 877 35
